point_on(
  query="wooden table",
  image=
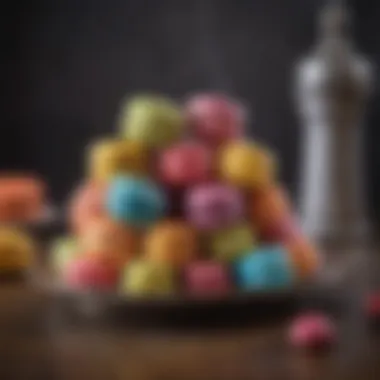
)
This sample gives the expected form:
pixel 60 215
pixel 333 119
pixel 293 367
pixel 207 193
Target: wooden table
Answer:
pixel 33 348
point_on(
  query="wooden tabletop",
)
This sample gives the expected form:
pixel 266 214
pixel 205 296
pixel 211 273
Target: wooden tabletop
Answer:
pixel 34 347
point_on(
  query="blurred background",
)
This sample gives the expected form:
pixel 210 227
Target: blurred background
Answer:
pixel 66 65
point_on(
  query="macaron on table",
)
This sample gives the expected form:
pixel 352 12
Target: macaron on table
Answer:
pixel 22 198
pixel 182 205
pixel 25 203
pixel 17 252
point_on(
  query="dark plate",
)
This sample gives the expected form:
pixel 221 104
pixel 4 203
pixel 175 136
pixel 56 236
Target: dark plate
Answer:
pixel 327 293
pixel 237 310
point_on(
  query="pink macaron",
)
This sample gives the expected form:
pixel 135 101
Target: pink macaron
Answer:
pixel 185 164
pixel 205 278
pixel 312 331
pixel 213 206
pixel 91 273
pixel 215 118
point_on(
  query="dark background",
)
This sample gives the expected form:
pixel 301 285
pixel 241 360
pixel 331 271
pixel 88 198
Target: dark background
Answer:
pixel 67 64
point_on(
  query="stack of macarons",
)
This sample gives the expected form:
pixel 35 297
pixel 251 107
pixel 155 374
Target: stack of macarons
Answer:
pixel 180 201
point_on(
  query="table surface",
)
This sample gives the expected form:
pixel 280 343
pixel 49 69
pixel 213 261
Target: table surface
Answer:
pixel 31 347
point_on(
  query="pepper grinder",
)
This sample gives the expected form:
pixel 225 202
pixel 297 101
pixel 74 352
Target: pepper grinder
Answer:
pixel 332 88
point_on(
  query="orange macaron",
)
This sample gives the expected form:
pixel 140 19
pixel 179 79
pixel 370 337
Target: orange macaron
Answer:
pixel 21 198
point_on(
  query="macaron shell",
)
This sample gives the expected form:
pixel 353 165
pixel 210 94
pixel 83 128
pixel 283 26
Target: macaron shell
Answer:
pixel 171 242
pixel 62 252
pixel 229 244
pixel 110 240
pixel 214 206
pixel 152 120
pixel 185 164
pixel 146 278
pixel 137 202
pixel 266 268
pixel 204 278
pixel 247 165
pixel 87 273
pixel 108 158
pixel 312 330
pixel 17 250
pixel 215 118
pixel 21 198
pixel 86 205
pixel 270 205
pixel 304 256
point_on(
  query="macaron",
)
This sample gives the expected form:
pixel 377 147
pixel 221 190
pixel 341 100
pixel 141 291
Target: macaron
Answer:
pixel 185 164
pixel 312 330
pixel 110 241
pixel 246 165
pixel 154 121
pixel 207 278
pixel 86 204
pixel 17 250
pixel 22 198
pixel 137 202
pixel 305 256
pixel 172 242
pixel 63 250
pixel 215 118
pixel 266 268
pixel 214 206
pixel 148 278
pixel 270 206
pixel 228 244
pixel 89 273
pixel 110 157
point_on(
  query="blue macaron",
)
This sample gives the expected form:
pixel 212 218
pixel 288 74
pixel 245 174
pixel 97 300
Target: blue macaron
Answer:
pixel 137 202
pixel 264 268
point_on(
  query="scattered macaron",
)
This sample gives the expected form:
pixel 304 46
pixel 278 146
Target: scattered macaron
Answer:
pixel 17 250
pixel 312 330
pixel 22 198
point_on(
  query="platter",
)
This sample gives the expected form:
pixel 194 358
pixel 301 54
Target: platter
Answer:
pixel 327 293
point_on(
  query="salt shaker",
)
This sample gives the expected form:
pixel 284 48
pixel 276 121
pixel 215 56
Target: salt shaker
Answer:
pixel 332 87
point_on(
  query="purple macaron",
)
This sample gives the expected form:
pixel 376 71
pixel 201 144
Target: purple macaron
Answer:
pixel 213 206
